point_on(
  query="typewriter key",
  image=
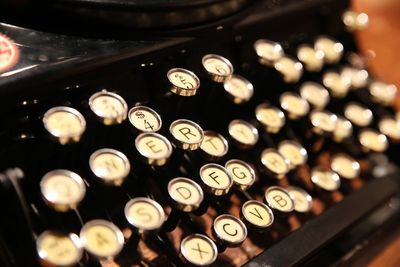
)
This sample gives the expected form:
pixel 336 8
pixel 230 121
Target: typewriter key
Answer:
pixel 219 69
pixel 59 249
pixel 271 118
pixel 216 179
pixel 332 49
pixel 110 166
pixel 243 133
pixel 345 166
pixel 154 148
pixel 343 129
pixel 65 124
pixel 290 69
pixel 268 51
pixel 239 89
pixel 358 114
pixel 144 119
pixel 279 200
pixel 102 239
pixel 295 106
pixel 355 21
pixel 372 140
pixel 62 189
pixel 325 179
pixel 323 122
pixel 316 95
pixel 382 93
pixel 187 134
pixel 256 215
pixel 109 108
pixel 229 230
pixel 313 60
pixel 358 77
pixel 186 193
pixel 390 127
pixel 144 214
pixel 302 200
pixel 214 146
pixel 338 84
pixel 243 174
pixel 294 152
pixel 183 82
pixel 199 250
pixel 275 163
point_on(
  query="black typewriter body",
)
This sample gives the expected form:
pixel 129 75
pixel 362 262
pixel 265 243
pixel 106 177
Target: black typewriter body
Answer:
pixel 346 226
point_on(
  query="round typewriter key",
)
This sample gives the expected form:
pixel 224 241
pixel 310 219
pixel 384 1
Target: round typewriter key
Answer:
pixel 216 179
pixel 187 134
pixel 390 127
pixel 275 163
pixel 110 166
pixel 312 59
pixel 65 124
pixel 372 140
pixel 229 230
pixel 155 148
pixel 383 93
pixel 145 214
pixel 102 239
pixel 110 108
pixel 268 51
pixel 199 250
pixel 358 114
pixel 218 68
pixel 343 129
pixel 239 88
pixel 323 122
pixel 62 189
pixel 290 69
pixel 316 95
pixel 295 106
pixel 257 215
pixel 272 118
pixel 355 21
pixel 325 179
pixel 243 133
pixel 183 82
pixel 302 200
pixel 345 166
pixel 338 84
pixel 242 173
pixel 214 145
pixel 279 200
pixel 59 249
pixel 186 193
pixel 144 119
pixel 358 77
pixel 295 153
pixel 332 49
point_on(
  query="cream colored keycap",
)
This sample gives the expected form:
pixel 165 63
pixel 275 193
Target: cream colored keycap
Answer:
pixel 345 166
pixel 110 108
pixel 199 250
pixel 214 145
pixel 144 119
pixel 383 93
pixel 229 230
pixel 358 114
pixel 316 95
pixel 302 200
pixel 187 134
pixel 323 122
pixel 268 51
pixel 243 133
pixel 372 140
pixel 290 69
pixel 257 215
pixel 145 214
pixel 155 148
pixel 355 21
pixel 358 77
pixel 313 60
pixel 295 106
pixel 294 152
pixel 275 163
pixel 102 239
pixel 332 49
pixel 338 84
pixel 243 174
pixel 186 193
pixel 279 199
pixel 325 179
pixel 272 118
pixel 59 249
pixel 219 69
pixel 183 82
pixel 216 179
pixel 62 189
pixel 390 127
pixel 65 124
pixel 239 89
pixel 343 129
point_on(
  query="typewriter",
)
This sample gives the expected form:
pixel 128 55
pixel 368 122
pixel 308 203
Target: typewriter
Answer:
pixel 193 133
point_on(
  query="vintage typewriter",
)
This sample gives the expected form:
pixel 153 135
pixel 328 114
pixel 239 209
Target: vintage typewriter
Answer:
pixel 192 133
